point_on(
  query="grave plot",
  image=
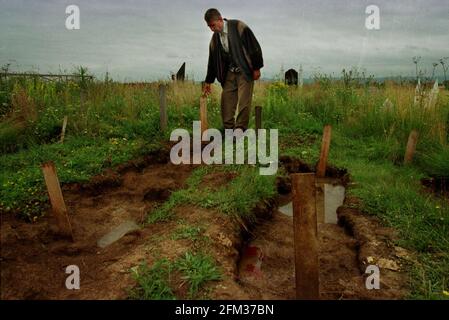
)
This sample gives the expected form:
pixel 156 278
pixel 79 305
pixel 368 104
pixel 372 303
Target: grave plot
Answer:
pixel 267 265
pixel 250 258
pixel 152 230
pixel 107 216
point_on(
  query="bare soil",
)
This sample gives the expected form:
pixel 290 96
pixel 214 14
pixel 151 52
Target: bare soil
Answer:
pixel 343 253
pixel 33 258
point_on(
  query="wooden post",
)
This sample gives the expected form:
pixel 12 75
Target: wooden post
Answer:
pixel 57 201
pixel 203 114
pixel 64 125
pixel 163 106
pixel 411 147
pixel 258 118
pixel 305 236
pixel 325 144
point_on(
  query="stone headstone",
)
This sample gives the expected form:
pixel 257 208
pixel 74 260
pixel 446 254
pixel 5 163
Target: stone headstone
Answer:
pixel 291 77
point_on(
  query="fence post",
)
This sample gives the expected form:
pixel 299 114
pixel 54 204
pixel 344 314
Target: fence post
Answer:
pixel 411 147
pixel 305 236
pixel 64 125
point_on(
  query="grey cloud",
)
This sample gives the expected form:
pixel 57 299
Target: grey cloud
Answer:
pixel 148 39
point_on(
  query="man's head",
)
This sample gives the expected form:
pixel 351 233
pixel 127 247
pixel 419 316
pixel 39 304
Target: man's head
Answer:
pixel 214 20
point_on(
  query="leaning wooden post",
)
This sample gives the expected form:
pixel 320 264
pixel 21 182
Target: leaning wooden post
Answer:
pixel 258 110
pixel 411 147
pixel 203 114
pixel 64 125
pixel 305 236
pixel 57 201
pixel 325 144
pixel 163 106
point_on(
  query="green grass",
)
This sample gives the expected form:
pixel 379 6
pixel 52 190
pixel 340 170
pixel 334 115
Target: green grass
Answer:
pixel 192 233
pixel 110 123
pixel 77 159
pixel 197 270
pixel 434 162
pixel 228 199
pixel 154 283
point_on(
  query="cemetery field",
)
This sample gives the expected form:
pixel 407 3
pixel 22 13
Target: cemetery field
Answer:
pixel 144 228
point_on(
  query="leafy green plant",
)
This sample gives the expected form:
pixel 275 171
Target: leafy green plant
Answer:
pixel 153 283
pixel 197 270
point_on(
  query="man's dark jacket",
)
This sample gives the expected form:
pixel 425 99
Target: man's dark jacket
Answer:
pixel 244 48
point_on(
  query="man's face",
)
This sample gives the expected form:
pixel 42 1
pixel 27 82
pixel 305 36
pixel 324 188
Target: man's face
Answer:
pixel 216 25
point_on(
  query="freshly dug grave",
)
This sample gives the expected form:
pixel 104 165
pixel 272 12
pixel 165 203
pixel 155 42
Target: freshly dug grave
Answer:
pixel 345 251
pixel 33 258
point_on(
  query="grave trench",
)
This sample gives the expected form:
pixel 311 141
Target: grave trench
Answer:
pixel 266 263
pixel 105 214
pixel 99 205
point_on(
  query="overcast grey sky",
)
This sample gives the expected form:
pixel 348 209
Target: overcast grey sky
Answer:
pixel 145 40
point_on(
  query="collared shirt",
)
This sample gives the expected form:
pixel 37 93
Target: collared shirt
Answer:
pixel 224 36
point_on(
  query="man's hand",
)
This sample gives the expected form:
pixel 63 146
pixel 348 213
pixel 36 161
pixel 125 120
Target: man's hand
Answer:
pixel 207 89
pixel 256 74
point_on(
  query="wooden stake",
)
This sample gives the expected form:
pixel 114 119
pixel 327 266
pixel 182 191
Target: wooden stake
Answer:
pixel 163 106
pixel 258 118
pixel 203 114
pixel 64 125
pixel 325 144
pixel 57 201
pixel 411 147
pixel 305 236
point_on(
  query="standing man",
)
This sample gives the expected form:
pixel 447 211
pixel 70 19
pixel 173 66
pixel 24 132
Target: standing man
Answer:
pixel 235 60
